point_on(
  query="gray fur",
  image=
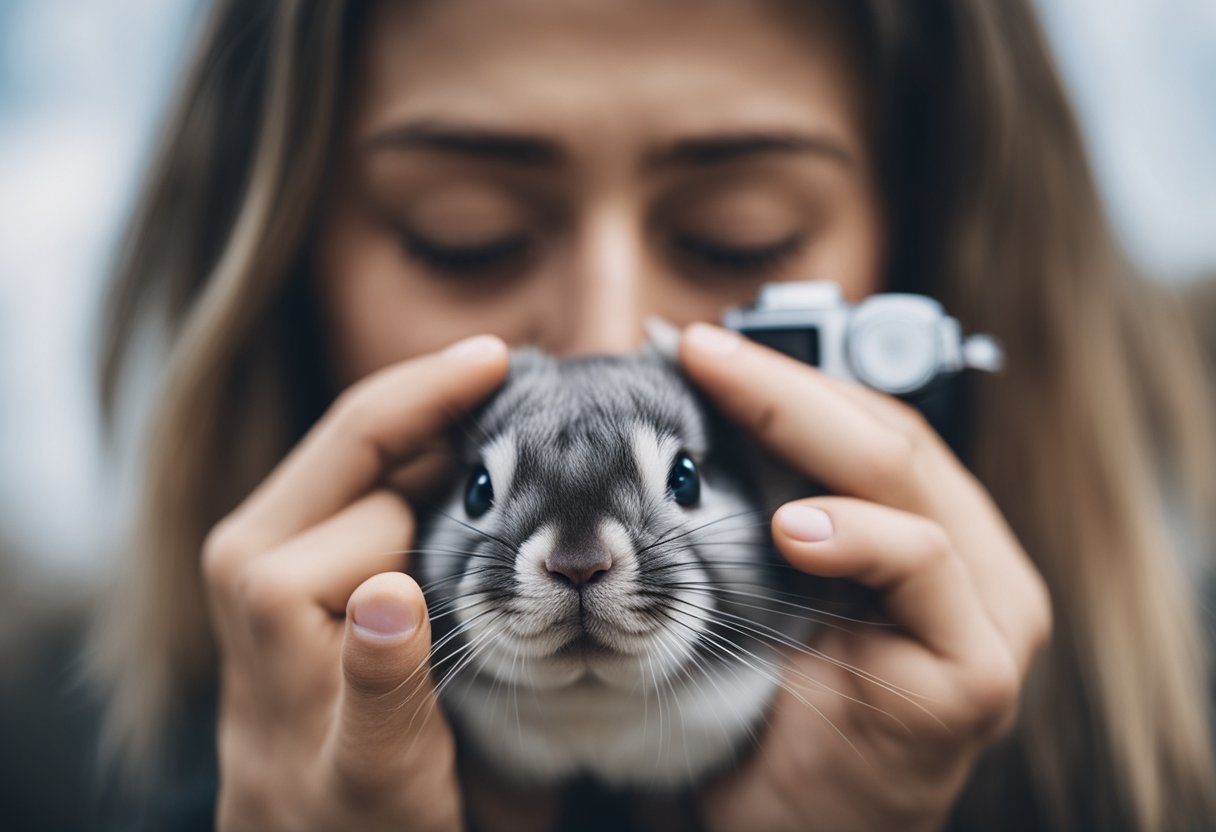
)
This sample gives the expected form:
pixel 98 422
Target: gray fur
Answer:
pixel 671 686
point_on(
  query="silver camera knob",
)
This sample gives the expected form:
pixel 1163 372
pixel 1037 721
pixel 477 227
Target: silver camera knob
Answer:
pixel 893 343
pixel 899 343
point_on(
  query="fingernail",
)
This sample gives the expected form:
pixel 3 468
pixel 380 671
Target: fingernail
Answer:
pixel 380 617
pixel 805 523
pixel 712 339
pixel 478 346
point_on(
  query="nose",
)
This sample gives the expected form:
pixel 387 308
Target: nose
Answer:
pixel 600 305
pixel 578 566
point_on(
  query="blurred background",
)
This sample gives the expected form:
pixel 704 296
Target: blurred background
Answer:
pixel 83 86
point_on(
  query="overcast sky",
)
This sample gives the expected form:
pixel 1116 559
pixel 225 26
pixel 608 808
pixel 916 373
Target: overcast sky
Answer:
pixel 83 82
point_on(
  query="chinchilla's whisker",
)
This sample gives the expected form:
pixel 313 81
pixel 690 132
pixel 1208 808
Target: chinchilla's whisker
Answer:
pixel 782 670
pixel 790 604
pixel 482 569
pixel 458 630
pixel 813 617
pixel 768 635
pixel 487 640
pixel 471 650
pixel 678 527
pixel 510 546
pixel 459 576
pixel 454 660
pixel 433 550
pixel 733 662
pixel 769 589
pixel 451 608
pixel 818 683
pixel 759 543
pixel 754 566
pixel 774 674
pixel 519 725
pixel 708 673
pixel 667 537
pixel 431 702
pixel 462 555
pixel 670 686
pixel 715 534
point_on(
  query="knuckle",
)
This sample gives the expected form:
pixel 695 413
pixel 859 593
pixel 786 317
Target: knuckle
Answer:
pixel 393 505
pixel 889 465
pixel 931 543
pixel 358 784
pixel 910 421
pixel 992 688
pixel 764 419
pixel 1041 623
pixel 264 591
pixel 225 549
pixel 253 804
pixel 352 410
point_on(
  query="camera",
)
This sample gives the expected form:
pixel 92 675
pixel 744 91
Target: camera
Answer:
pixel 901 344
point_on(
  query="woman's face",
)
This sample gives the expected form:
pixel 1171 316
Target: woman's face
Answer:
pixel 556 171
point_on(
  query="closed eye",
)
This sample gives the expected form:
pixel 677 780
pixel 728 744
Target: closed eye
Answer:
pixel 748 260
pixel 466 260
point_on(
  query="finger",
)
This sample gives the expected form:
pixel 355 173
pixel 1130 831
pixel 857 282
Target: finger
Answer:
pixel 381 420
pixel 791 409
pixel 325 564
pixel 908 558
pixel 388 714
pixel 858 442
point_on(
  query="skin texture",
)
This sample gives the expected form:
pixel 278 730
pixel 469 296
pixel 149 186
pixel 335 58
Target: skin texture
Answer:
pixel 320 722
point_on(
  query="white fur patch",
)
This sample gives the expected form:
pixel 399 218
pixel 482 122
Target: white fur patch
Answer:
pixel 653 453
pixel 616 540
pixel 499 458
pixel 530 570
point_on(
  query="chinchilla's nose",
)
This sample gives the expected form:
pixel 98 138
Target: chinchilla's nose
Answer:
pixel 579 565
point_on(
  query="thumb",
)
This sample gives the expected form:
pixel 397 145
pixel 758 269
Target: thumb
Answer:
pixel 388 713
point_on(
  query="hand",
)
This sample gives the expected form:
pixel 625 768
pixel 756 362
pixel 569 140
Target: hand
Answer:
pixel 878 727
pixel 324 723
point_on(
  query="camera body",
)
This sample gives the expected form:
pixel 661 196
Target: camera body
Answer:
pixel 901 344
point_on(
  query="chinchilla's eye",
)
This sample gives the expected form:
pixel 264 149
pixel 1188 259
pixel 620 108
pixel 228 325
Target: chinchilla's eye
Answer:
pixel 684 482
pixel 479 493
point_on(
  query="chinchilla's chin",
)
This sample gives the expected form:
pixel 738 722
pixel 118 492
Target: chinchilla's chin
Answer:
pixel 667 738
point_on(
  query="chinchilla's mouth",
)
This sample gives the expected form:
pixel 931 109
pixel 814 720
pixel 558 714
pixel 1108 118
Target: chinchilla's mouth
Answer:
pixel 585 645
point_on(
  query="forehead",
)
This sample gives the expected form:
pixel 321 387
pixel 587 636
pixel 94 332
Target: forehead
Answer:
pixel 607 72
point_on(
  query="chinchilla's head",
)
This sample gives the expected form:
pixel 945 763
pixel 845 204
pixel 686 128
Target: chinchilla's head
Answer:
pixel 596 514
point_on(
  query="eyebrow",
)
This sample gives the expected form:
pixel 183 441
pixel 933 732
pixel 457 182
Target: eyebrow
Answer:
pixel 730 147
pixel 536 151
pixel 474 142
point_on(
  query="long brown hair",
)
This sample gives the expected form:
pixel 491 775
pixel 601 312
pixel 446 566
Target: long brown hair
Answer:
pixel 993 211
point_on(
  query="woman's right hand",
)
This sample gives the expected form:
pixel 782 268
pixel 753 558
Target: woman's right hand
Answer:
pixel 329 721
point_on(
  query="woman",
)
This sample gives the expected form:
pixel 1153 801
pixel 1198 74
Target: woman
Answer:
pixel 346 189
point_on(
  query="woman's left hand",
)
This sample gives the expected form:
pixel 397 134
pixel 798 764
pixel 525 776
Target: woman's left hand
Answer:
pixel 886 723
